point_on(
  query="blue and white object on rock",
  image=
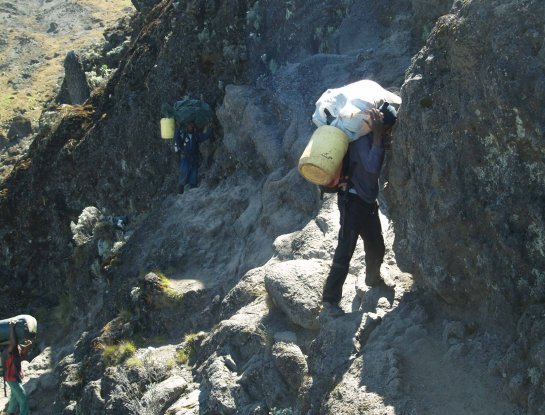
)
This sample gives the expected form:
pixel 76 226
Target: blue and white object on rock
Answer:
pixel 25 329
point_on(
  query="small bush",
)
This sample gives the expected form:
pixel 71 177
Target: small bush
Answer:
pixel 115 354
pixel 170 364
pixel 131 393
pixel 169 292
pixel 134 362
pixel 182 356
pixel 125 314
pixel 187 350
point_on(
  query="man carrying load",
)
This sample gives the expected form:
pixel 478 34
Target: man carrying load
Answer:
pixel 357 200
pixel 186 144
pixel 12 357
pixel 193 120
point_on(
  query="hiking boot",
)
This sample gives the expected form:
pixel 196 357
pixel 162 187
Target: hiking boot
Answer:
pixel 181 189
pixel 375 281
pixel 381 284
pixel 331 310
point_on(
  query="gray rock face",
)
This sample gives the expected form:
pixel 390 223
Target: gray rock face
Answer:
pixel 92 403
pixel 144 5
pixel 291 363
pixel 259 144
pixel 469 159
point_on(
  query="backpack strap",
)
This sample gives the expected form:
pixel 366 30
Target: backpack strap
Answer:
pixel 4 370
pixel 17 357
pixel 347 170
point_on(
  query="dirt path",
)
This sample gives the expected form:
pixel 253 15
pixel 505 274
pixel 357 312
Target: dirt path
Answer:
pixel 438 374
pixel 442 385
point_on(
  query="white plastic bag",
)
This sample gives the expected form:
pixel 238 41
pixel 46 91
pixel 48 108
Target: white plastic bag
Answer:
pixel 349 104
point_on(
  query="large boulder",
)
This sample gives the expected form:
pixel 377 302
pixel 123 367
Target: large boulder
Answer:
pixel 165 393
pixel 296 288
pixel 468 158
pixel 290 362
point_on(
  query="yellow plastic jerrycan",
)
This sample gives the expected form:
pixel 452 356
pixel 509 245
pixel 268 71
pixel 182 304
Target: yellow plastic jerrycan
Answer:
pixel 167 128
pixel 323 156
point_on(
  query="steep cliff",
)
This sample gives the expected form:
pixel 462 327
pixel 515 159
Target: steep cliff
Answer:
pixel 469 159
pixel 235 266
pixel 467 178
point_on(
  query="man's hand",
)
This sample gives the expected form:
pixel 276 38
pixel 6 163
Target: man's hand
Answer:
pixel 26 344
pixel 377 125
pixel 343 183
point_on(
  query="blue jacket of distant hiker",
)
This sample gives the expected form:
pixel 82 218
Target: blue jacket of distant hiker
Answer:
pixel 187 145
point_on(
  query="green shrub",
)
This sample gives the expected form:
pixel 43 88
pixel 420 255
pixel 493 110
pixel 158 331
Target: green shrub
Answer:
pixel 187 351
pixel 134 362
pixel 125 314
pixel 167 289
pixel 182 356
pixel 115 354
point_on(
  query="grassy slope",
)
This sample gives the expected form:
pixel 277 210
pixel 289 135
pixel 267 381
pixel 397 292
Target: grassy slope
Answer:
pixel 31 59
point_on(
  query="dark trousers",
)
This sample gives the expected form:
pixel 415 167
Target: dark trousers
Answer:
pixel 189 171
pixel 358 218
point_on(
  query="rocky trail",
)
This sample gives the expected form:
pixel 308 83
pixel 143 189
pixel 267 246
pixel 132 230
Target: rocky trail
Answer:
pixel 387 354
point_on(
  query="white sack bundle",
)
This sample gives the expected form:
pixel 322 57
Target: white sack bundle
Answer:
pixel 349 104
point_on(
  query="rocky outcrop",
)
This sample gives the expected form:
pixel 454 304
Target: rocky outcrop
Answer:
pixel 469 162
pixel 74 89
pixel 457 109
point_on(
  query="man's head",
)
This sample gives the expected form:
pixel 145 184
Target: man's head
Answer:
pixel 389 113
pixel 190 127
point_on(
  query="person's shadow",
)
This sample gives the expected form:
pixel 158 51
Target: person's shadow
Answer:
pixel 331 354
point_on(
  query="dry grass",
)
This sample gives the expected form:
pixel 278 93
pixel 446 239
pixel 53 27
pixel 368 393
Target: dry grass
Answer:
pixel 29 45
